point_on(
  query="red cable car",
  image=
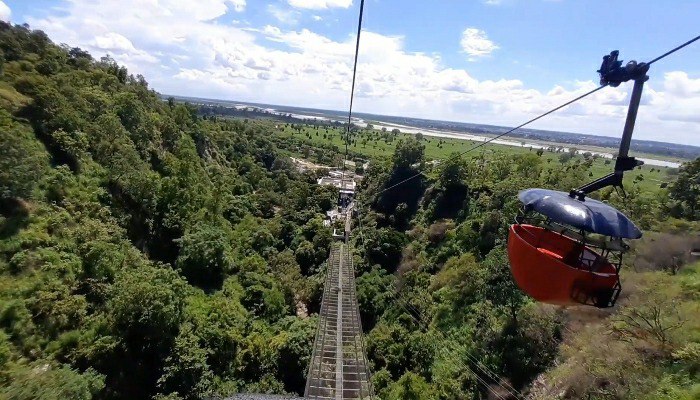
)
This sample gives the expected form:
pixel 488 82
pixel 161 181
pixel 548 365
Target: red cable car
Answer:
pixel 568 251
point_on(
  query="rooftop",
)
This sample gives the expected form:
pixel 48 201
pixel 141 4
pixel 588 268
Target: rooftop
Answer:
pixel 348 183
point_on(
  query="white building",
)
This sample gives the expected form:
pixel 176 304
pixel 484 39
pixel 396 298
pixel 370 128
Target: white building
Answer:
pixel 347 183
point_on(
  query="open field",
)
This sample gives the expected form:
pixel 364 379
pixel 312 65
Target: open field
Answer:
pixel 370 144
pixel 658 153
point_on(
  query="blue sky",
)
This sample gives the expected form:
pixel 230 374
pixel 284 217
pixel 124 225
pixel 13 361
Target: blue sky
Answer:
pixel 485 61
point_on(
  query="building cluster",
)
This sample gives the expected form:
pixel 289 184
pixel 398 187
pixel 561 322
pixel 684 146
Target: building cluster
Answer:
pixel 346 182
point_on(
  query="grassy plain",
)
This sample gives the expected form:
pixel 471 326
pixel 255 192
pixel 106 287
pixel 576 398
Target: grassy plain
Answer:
pixel 371 144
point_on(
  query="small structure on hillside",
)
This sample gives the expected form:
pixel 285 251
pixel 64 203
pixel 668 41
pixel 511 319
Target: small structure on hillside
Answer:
pixel 333 215
pixel 345 197
pixel 346 183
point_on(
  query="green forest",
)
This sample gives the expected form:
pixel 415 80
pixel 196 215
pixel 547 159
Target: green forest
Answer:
pixel 149 250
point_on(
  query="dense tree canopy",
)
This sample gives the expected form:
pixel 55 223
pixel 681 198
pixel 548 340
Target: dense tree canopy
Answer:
pixel 23 161
pixel 144 251
pixel 454 310
pixel 686 191
pixel 408 152
pixel 153 249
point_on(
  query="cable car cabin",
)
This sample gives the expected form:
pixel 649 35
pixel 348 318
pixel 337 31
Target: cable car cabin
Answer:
pixel 567 251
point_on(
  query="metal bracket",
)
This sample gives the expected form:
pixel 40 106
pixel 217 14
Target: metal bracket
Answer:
pixel 622 164
pixel 613 179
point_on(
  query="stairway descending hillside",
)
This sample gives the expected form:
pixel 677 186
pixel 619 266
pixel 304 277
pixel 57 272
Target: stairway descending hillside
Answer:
pixel 338 367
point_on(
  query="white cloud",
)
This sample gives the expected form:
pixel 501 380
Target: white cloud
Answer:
pixel 320 4
pixel 317 18
pixel 200 10
pixel 285 16
pixel 5 11
pixel 113 41
pixel 679 84
pixel 121 48
pixel 476 44
pixel 191 52
pixel 238 5
pixel 493 2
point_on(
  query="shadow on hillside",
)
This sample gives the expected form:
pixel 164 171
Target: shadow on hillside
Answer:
pixel 448 202
pixel 401 202
pixel 15 216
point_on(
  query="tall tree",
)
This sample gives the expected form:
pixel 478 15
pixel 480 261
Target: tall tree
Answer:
pixel 408 153
pixel 453 171
pixel 685 191
pixel 23 159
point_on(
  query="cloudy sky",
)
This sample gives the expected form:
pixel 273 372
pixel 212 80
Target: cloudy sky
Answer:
pixel 485 61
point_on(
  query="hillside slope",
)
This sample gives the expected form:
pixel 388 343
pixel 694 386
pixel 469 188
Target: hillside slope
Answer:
pixel 448 322
pixel 144 251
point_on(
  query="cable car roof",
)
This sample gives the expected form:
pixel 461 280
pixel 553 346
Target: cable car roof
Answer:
pixel 589 214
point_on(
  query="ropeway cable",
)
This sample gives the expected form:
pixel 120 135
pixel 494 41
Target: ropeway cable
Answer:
pixel 352 90
pixel 499 136
pixel 483 368
pixel 463 365
pixel 668 53
pixel 481 144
